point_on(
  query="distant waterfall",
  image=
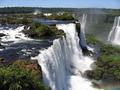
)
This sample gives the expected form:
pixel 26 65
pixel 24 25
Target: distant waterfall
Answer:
pixel 114 35
pixel 63 63
pixel 82 32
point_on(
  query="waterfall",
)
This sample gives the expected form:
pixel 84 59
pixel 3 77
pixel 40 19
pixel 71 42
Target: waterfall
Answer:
pixel 82 32
pixel 63 63
pixel 114 35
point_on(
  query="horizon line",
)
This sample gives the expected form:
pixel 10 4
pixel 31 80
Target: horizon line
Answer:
pixel 59 7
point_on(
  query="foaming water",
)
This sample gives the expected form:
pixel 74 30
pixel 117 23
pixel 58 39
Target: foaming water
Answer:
pixel 63 63
pixel 13 35
pixel 114 35
pixel 15 45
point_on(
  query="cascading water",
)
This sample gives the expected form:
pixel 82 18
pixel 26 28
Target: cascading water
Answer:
pixel 63 63
pixel 15 45
pixel 82 32
pixel 114 35
pixel 13 35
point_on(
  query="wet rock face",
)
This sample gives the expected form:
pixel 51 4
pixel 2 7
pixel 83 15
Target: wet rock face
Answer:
pixel 2 59
pixel 2 34
pixel 81 38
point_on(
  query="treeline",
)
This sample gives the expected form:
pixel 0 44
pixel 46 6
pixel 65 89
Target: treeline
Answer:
pixel 14 10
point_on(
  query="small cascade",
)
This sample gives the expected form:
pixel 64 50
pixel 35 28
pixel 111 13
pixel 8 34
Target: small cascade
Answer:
pixel 63 64
pixel 114 35
pixel 13 35
pixel 82 32
pixel 15 45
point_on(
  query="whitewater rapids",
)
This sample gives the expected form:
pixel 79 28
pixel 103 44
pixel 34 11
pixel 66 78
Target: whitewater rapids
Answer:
pixel 63 63
pixel 15 45
pixel 13 35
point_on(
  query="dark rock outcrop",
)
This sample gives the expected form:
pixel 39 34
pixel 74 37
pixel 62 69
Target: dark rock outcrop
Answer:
pixel 2 34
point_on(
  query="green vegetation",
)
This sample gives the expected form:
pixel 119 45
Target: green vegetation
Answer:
pixel 14 10
pixel 42 31
pixel 24 21
pixel 21 75
pixel 27 19
pixel 38 30
pixel 60 16
pixel 109 50
pixel 24 10
pixel 92 39
pixel 107 65
pixel 15 20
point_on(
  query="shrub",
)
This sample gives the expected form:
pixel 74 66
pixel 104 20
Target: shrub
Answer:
pixel 107 66
pixel 16 77
pixel 24 21
pixel 109 50
pixel 44 30
pixel 38 30
pixel 62 16
pixel 66 16
pixel 92 39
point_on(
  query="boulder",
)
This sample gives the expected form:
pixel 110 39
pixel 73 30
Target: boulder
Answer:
pixel 2 34
pixel 2 60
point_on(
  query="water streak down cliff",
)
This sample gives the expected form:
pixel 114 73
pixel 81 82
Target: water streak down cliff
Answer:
pixel 82 32
pixel 63 63
pixel 114 35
